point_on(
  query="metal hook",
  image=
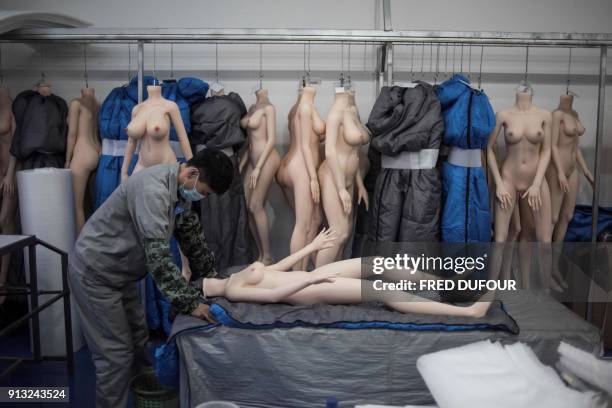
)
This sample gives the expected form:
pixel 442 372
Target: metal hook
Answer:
pixel 43 78
pixel 129 70
pixel 569 67
pixel 431 57
pixel 365 51
pixel 171 60
pixel 461 66
pixel 446 60
pixel 469 62
pixel 154 63
pixel 217 62
pixel 423 60
pixel 454 57
pixel 348 78
pixel 437 63
pixel 412 62
pixel 309 59
pixel 85 66
pixel 260 66
pixel 341 78
pixel 480 68
pixel 526 63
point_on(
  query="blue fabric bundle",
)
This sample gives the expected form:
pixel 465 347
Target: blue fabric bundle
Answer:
pixel 469 120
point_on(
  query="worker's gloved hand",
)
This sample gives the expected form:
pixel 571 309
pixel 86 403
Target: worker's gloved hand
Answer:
pixel 203 312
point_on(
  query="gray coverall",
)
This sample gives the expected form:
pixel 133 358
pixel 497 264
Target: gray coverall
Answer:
pixel 124 239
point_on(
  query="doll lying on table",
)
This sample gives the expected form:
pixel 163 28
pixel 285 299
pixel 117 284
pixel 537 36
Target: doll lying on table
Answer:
pixel 335 283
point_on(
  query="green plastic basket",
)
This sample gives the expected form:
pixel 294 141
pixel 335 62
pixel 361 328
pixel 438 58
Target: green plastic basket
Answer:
pixel 150 393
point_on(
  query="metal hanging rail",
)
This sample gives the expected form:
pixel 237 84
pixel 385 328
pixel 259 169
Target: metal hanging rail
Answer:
pixel 255 35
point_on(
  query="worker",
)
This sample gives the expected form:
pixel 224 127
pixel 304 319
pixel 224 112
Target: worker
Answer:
pixel 128 236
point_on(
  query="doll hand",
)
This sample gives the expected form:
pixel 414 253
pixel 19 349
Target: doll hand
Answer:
pixel 326 239
pixel 533 197
pixel 563 184
pixel 330 278
pixel 362 195
pixel 254 177
pixel 314 190
pixel 504 197
pixel 203 312
pixel 7 187
pixel 346 200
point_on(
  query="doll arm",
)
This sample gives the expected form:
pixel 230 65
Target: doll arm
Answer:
pixel 584 167
pixel 305 129
pixel 130 147
pixel 177 121
pixel 270 113
pixel 544 153
pixel 491 159
pixel 556 126
pixel 325 239
pixel 73 124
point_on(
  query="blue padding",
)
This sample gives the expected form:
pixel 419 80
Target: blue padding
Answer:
pixel 225 319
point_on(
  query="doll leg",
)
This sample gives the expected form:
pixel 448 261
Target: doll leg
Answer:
pixel 304 208
pixel 557 196
pixel 248 195
pixel 256 206
pixel 567 209
pixel 503 216
pixel 80 179
pixel 336 218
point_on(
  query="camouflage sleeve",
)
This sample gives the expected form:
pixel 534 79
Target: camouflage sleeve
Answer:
pixel 167 277
pixel 188 233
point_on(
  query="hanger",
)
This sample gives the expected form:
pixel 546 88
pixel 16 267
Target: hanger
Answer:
pixel 172 78
pixel 42 83
pixel 259 85
pixel 85 77
pixel 217 86
pixel 524 86
pixel 567 86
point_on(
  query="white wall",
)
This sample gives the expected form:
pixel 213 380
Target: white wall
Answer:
pixel 283 64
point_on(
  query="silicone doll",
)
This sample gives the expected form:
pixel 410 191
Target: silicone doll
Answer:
pixel 562 174
pixel 527 131
pixel 150 125
pixel 83 147
pixel 8 164
pixel 335 283
pixel 297 174
pixel 339 171
pixel 261 163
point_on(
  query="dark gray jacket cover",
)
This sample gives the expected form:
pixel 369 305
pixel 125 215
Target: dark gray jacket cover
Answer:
pixel 215 123
pixel 405 203
pixel 40 136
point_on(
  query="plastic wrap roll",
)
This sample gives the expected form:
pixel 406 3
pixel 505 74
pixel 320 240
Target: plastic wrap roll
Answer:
pixel 46 206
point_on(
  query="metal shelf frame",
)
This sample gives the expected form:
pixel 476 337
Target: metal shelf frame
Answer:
pixel 385 39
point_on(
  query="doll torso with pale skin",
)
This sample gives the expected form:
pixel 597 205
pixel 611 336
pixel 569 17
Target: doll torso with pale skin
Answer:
pixel 524 133
pixel 259 121
pixel 570 129
pixel 339 171
pixel 83 121
pixel 150 124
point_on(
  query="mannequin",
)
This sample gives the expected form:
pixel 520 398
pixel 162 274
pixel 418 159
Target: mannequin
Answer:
pixel 261 161
pixel 8 164
pixel 527 131
pixel 339 172
pixel 150 123
pixel 83 147
pixel 561 173
pixel 335 283
pixel 297 173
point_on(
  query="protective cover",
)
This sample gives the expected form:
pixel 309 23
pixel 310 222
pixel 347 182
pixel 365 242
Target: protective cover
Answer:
pixel 405 203
pixel 116 113
pixel 579 229
pixel 40 136
pixel 468 121
pixel 302 366
pixel 215 123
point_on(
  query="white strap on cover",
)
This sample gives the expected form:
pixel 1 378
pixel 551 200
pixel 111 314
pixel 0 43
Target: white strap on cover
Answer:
pixel 423 159
pixel 465 157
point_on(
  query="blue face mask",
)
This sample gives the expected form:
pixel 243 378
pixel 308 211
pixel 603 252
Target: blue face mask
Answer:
pixel 191 194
